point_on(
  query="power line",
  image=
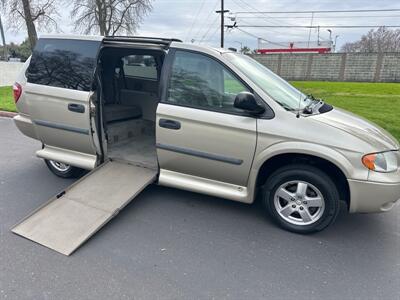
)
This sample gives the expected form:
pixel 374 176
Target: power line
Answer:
pixel 315 26
pixel 257 14
pixel 258 37
pixel 209 28
pixel 319 11
pixel 324 17
pixel 275 31
pixel 195 19
pixel 266 19
pixel 271 23
pixel 213 34
pixel 207 19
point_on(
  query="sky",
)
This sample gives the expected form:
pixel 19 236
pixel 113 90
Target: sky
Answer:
pixel 196 21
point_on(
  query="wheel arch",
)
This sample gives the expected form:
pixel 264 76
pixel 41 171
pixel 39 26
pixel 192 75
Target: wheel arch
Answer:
pixel 334 164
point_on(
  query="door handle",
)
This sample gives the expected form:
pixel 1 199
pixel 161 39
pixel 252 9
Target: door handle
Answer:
pixel 78 108
pixel 169 124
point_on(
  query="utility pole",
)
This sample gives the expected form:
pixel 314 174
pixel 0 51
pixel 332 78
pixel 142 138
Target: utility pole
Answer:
pixel 4 40
pixel 222 12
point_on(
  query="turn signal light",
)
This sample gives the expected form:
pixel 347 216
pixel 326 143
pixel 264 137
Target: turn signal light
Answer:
pixel 369 161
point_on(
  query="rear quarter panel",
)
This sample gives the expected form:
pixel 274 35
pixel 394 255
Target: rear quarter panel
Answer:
pixel 21 105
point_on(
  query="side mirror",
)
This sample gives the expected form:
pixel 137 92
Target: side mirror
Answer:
pixel 247 102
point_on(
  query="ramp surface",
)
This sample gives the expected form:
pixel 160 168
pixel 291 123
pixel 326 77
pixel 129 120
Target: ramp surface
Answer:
pixel 74 215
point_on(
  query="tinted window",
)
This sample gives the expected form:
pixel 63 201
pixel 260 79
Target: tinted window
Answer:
pixel 142 66
pixel 202 82
pixel 63 63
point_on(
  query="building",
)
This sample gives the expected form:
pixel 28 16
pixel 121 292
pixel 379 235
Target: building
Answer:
pixel 268 47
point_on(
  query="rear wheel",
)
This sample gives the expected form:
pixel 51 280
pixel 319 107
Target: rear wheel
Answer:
pixel 63 170
pixel 301 198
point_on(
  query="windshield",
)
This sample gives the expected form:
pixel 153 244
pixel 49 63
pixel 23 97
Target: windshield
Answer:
pixel 278 89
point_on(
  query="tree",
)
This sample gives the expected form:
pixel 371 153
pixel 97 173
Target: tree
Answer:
pixel 109 17
pixel 22 51
pixel 379 40
pixel 32 13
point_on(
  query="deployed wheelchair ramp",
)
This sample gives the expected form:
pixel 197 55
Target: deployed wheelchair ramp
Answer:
pixel 74 215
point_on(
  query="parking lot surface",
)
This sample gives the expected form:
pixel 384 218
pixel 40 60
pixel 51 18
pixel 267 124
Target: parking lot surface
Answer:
pixel 171 244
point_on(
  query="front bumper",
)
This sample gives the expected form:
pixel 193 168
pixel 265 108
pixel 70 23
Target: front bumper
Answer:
pixel 369 196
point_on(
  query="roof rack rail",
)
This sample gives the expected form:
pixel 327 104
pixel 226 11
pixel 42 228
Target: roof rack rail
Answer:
pixel 141 39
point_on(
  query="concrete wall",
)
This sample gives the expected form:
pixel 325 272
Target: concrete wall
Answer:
pixel 368 67
pixel 9 72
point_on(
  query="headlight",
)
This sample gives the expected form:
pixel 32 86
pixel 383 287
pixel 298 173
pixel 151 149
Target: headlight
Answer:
pixel 381 162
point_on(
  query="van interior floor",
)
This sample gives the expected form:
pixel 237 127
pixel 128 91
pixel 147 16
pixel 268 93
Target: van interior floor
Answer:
pixel 133 141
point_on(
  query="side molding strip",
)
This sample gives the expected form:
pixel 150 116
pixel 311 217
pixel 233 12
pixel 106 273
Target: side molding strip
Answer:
pixel 188 151
pixel 61 126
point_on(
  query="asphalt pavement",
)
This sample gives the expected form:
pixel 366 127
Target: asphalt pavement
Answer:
pixel 171 244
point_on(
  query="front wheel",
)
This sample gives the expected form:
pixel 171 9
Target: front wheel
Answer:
pixel 301 198
pixel 63 170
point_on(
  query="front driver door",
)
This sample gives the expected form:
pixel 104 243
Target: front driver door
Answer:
pixel 199 132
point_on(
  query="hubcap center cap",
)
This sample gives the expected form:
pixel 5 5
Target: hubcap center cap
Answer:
pixel 298 202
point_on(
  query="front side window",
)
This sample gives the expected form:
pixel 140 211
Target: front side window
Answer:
pixel 201 82
pixel 278 89
pixel 63 63
pixel 140 66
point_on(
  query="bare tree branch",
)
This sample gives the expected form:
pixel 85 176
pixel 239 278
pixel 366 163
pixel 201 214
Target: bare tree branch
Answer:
pixel 109 17
pixel 32 13
pixel 379 40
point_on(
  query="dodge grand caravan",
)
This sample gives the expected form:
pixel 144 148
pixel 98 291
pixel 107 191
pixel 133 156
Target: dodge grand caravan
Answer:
pixel 207 120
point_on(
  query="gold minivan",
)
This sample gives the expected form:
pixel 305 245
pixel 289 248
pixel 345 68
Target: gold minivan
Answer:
pixel 206 120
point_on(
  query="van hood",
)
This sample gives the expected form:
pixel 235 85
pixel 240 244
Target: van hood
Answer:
pixel 370 133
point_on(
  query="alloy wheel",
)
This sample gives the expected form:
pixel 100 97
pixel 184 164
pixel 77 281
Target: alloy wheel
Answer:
pixel 59 166
pixel 299 202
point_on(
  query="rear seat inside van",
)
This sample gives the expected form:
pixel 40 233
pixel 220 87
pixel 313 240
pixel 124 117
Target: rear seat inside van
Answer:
pixel 130 97
pixel 120 112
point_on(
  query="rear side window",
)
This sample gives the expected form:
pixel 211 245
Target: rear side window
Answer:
pixel 63 63
pixel 141 66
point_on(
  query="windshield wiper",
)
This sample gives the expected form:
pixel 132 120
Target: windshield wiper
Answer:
pixel 285 106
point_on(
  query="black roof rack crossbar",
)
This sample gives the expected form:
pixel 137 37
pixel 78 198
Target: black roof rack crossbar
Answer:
pixel 141 39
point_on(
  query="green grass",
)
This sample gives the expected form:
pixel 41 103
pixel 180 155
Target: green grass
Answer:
pixel 377 102
pixel 232 86
pixel 6 99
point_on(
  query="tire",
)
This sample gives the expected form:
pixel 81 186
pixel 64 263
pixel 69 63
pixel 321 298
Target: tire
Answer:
pixel 301 198
pixel 63 170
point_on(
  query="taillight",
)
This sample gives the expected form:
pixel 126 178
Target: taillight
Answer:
pixel 17 90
